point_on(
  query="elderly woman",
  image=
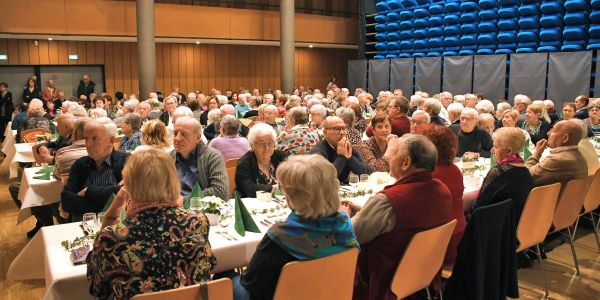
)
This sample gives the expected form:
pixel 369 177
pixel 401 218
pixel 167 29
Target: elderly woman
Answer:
pixel 255 102
pixel 299 138
pixel 229 143
pixel 535 124
pixel 509 179
pixel 377 150
pixel 353 119
pixel 318 113
pixel 593 120
pixel 314 229
pixel 136 256
pixel 510 118
pixel 35 119
pixel 448 173
pixel 154 135
pixel 568 110
pixel 213 103
pixel 131 131
pixel 487 122
pixel 256 169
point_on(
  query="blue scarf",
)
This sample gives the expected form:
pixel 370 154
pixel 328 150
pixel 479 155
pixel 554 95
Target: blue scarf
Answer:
pixel 307 239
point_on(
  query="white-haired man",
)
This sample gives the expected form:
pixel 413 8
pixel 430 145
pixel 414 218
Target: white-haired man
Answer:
pixel 170 106
pixel 472 138
pixel 433 107
pixel 95 177
pixel 213 130
pixel 197 163
pixel 454 110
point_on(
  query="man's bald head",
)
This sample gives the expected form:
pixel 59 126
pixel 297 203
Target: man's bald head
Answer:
pixel 564 133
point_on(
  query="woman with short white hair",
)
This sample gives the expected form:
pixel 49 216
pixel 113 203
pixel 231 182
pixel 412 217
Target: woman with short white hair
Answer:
pixel 299 138
pixel 485 107
pixel 314 229
pixel 35 119
pixel 256 169
pixel 97 113
pixel 487 122
pixel 318 113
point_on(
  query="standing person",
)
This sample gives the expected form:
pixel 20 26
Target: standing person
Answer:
pixel 31 91
pixel 50 92
pixel 6 107
pixel 86 86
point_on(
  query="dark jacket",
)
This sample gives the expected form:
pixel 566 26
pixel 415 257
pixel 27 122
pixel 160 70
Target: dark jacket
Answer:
pixel 262 274
pixel 164 117
pixel 582 114
pixel 342 165
pixel 478 141
pixel 486 264
pixel 95 196
pixel 437 120
pixel 18 119
pixel 247 181
pixel 6 105
pixel 541 134
pixel 28 96
pixel 82 89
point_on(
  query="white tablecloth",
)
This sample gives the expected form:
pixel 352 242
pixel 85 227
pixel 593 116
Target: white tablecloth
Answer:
pixel 36 192
pixel 8 129
pixel 44 258
pixel 18 153
pixel 9 140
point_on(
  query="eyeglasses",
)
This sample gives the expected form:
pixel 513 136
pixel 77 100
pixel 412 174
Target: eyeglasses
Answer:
pixel 265 145
pixel 338 129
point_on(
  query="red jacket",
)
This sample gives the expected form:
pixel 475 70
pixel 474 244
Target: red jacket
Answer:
pixel 420 202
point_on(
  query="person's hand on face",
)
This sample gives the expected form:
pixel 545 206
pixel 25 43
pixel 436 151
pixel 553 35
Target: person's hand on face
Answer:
pixel 540 147
pixel 344 148
pixel 392 145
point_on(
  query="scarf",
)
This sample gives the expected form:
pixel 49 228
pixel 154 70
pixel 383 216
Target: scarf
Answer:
pixel 307 239
pixel 510 159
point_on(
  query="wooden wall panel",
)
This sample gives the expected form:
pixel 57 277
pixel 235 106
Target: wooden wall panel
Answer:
pixel 189 66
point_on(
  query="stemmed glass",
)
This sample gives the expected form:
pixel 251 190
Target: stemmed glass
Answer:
pixel 90 223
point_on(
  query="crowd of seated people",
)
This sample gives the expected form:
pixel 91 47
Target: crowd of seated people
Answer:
pixel 304 144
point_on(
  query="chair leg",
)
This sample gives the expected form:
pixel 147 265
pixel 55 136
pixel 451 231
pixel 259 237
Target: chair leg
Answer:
pixel 573 251
pixel 539 254
pixel 428 293
pixel 595 230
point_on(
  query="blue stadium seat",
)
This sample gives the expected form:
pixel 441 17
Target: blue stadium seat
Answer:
pixel 379 57
pixel 406 34
pixel 436 43
pixel 421 23
pixel 508 12
pixel 507 37
pixel 393 26
pixel 420 33
pixel 487 27
pixel 469 17
pixel 529 10
pixel 595 17
pixel 504 51
pixel 467 52
pixel 433 54
pixel 394 4
pixel 393 45
pixel 529 23
pixel 488 14
pixel 420 44
pixel 381 6
pixel 548 49
pixel 421 13
pixel 380 27
pixel 452 7
pixel 487 40
pixel 551 34
pixel 436 21
pixel 468 28
pixel 481 51
pixel 576 18
pixel 552 7
pixel 408 3
pixel 405 55
pixel 525 50
pixel 508 24
pixel 406 45
pixel 594 32
pixel 381 46
pixel 406 15
pixel 450 53
pixel 380 36
pixel 574 33
pixel 547 21
pixel 508 2
pixel 391 56
pixel 468 40
pixel 393 36
pixel 437 9
pixel 528 36
pixel 451 30
pixel 393 16
pixel 576 5
pixel 488 4
pixel 451 19
pixel 571 48
pixel 406 25
pixel 469 6
pixel 435 31
pixel 595 4
pixel 419 54
pixel 380 19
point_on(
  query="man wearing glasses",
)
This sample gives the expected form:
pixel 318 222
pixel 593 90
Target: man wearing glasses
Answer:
pixel 338 150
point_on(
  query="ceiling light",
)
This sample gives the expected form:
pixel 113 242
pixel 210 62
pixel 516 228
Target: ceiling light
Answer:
pixel 197 42
pixel 73 57
pixel 3 57
pixel 49 38
pixel 310 46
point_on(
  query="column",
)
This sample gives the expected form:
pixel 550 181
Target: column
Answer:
pixel 287 47
pixel 146 47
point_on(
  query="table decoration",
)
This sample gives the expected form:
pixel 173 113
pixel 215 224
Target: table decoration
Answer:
pixel 243 219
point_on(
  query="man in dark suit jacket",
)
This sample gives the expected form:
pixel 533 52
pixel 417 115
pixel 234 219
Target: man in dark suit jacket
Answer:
pixel 167 113
pixel 86 86
pixel 95 177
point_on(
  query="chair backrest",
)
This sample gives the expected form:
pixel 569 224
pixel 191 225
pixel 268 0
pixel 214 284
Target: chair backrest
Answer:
pixel 592 196
pixel 220 289
pixel 231 174
pixel 231 163
pixel 36 155
pixel 569 203
pixel 537 215
pixel 330 277
pixel 30 135
pixel 421 260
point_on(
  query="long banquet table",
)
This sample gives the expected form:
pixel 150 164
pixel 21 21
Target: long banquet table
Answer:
pixel 18 153
pixel 36 192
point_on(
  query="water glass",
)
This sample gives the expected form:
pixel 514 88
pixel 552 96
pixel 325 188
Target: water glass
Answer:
pixel 101 218
pixel 89 222
pixel 364 178
pixel 353 180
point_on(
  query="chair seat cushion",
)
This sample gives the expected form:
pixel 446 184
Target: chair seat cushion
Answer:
pixel 548 49
pixel 419 54
pixel 527 36
pixel 420 44
pixel 380 27
pixel 394 4
pixel 393 45
pixel 529 10
pixel 507 37
pixel 420 33
pixel 593 47
pixel 488 14
pixel 575 5
pixel 406 44
pixel 393 16
pixel 406 15
pixel 554 34
pixel 381 46
pixel 380 19
pixel 552 7
pixel 469 39
pixel 508 24
pixel 450 41
pixel 595 4
pixel 408 3
pixel 421 13
pixel 485 51
pixel 569 48
pixel 469 6
pixel 406 25
pixel 436 21
pixel 381 6
pixel 525 50
pixel 406 34
pixel 547 21
pixel 595 17
pixel 576 18
pixel 433 54
pixel 469 17
pixel 451 19
pixel 450 53
pixel 452 7
pixel 392 56
pixel 421 23
pixel 504 51
pixel 451 30
pixel 529 23
pixel 435 31
pixel 393 26
pixel 551 43
pixel 486 27
pixel 468 28
pixel 393 36
pixel 405 55
pixel 379 57
pixel 594 31
pixel 574 33
pixel 487 39
pixel 466 52
pixel 488 4
pixel 380 37
pixel 437 9
pixel 508 12
pixel 436 42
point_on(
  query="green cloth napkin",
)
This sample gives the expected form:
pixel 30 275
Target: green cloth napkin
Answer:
pixel 108 203
pixel 196 192
pixel 492 161
pixel 123 216
pixel 46 169
pixel 243 219
pixel 45 176
pixel 526 152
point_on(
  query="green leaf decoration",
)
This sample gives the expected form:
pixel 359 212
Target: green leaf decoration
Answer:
pixel 196 192
pixel 108 203
pixel 243 219
pixel 45 176
pixel 492 160
pixel 526 152
pixel 46 169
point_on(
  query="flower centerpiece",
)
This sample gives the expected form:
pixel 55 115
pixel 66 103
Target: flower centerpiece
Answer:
pixel 79 247
pixel 211 207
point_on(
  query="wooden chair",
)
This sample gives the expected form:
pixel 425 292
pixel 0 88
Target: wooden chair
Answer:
pixel 567 210
pixel 590 203
pixel 30 135
pixel 231 163
pixel 231 174
pixel 36 155
pixel 220 289
pixel 421 260
pixel 536 220
pixel 330 277
pixel 117 142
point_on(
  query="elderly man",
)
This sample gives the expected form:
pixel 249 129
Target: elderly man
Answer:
pixel 471 100
pixel 318 113
pixel 95 177
pixel 86 86
pixel 471 138
pixel 229 143
pixel 454 110
pixel 552 113
pixel 419 120
pixel 60 100
pixel 213 130
pixel 433 107
pixel 521 102
pixel 385 225
pixel 581 103
pixel 170 106
pixel 143 109
pixel 565 161
pixel 65 129
pixel 198 163
pixel 338 150
pixel 131 132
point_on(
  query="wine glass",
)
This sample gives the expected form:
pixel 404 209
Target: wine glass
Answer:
pixel 101 218
pixel 353 180
pixel 89 222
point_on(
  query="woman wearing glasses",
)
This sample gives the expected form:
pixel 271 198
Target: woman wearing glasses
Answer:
pixel 256 169
pixel 593 121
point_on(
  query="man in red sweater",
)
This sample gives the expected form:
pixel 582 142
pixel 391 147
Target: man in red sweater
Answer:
pixel 397 111
pixel 384 226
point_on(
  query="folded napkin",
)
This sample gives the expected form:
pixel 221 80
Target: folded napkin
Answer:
pixel 243 219
pixel 526 152
pixel 492 160
pixel 46 169
pixel 196 192
pixel 45 176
